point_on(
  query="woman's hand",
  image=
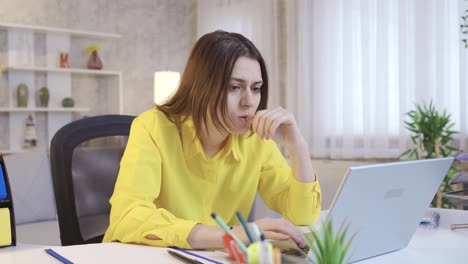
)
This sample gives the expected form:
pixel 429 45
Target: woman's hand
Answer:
pixel 273 228
pixel 280 229
pixel 204 236
pixel 277 124
pixel 280 125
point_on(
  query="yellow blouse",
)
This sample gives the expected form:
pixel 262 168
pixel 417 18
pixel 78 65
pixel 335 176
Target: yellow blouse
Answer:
pixel 167 184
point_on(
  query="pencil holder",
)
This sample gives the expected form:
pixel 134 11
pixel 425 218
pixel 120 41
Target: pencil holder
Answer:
pixel 233 250
pixel 7 216
pixel 260 253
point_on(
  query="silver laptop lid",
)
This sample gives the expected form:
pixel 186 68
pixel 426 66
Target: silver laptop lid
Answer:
pixel 384 203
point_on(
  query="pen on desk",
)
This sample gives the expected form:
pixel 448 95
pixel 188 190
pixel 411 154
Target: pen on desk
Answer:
pixel 266 251
pixel 195 255
pixel 457 226
pixel 229 231
pixel 183 258
pixel 244 225
pixel 256 232
pixel 57 256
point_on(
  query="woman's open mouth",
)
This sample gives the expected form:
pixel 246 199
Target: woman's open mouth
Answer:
pixel 245 118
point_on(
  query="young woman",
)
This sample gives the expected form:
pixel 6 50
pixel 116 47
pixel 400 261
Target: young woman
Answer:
pixel 210 148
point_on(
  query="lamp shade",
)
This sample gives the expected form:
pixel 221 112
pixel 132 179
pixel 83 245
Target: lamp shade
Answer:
pixel 165 84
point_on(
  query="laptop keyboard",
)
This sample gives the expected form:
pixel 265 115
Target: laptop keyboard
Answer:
pixel 295 252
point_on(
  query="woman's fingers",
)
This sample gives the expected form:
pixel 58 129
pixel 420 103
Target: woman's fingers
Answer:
pixel 281 226
pixel 257 123
pixel 273 120
pixel 266 122
pixel 275 236
pixel 286 227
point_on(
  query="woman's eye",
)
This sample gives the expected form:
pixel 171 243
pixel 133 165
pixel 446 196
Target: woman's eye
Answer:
pixel 234 87
pixel 257 89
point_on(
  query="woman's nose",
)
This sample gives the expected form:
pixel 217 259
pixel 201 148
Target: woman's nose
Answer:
pixel 246 98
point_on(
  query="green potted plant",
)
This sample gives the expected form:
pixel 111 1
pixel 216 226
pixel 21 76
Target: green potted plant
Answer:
pixel 431 133
pixel 328 246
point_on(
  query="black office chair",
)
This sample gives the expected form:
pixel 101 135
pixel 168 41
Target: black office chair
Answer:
pixel 85 156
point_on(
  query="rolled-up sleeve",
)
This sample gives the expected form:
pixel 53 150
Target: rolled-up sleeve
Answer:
pixel 297 201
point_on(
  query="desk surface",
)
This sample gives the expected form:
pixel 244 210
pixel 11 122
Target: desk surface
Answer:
pixel 440 245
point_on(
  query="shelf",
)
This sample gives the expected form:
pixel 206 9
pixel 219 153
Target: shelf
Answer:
pixel 44 109
pixel 77 33
pixel 63 70
pixel 13 151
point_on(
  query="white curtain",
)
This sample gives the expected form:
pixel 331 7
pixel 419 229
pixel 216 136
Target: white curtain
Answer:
pixel 362 64
pixel 351 69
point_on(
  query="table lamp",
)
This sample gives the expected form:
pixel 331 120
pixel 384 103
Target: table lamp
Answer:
pixel 165 84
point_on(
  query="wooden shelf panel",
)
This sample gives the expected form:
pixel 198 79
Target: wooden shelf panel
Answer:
pixel 43 109
pixel 63 70
pixel 12 151
pixel 71 32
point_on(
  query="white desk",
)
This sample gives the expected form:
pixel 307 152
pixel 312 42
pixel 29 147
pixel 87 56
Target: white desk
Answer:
pixel 99 253
pixel 441 245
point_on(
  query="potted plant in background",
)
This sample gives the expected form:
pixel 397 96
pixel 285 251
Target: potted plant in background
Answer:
pixel 432 133
pixel 94 62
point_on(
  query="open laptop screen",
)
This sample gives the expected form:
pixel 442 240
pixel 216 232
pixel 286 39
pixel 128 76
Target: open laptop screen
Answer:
pixel 383 203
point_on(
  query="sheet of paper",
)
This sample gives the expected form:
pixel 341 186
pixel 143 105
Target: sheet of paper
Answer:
pixel 5 227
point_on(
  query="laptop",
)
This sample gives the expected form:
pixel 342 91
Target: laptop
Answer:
pixel 384 203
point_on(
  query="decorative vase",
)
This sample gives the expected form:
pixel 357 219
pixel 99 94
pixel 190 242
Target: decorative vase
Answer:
pixel 94 61
pixel 44 97
pixel 22 94
pixel 68 102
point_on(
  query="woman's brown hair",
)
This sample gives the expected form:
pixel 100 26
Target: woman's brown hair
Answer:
pixel 203 86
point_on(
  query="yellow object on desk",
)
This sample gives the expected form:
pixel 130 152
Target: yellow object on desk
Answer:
pixel 5 227
pixel 260 253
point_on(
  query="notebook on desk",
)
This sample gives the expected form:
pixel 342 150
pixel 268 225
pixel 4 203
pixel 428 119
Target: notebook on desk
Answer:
pixel 384 203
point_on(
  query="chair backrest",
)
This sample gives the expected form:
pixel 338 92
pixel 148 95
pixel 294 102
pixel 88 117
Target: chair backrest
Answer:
pixel 85 156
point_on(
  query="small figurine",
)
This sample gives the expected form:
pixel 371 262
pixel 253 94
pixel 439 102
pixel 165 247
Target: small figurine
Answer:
pixel 30 138
pixel 64 60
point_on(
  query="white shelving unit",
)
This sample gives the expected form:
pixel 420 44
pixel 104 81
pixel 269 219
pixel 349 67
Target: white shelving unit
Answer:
pixel 42 109
pixel 58 31
pixel 63 70
pixel 20 67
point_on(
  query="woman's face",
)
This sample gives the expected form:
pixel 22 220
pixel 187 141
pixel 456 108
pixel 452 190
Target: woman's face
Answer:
pixel 244 94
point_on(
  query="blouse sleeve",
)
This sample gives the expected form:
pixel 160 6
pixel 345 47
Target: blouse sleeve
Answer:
pixel 297 201
pixel 134 214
